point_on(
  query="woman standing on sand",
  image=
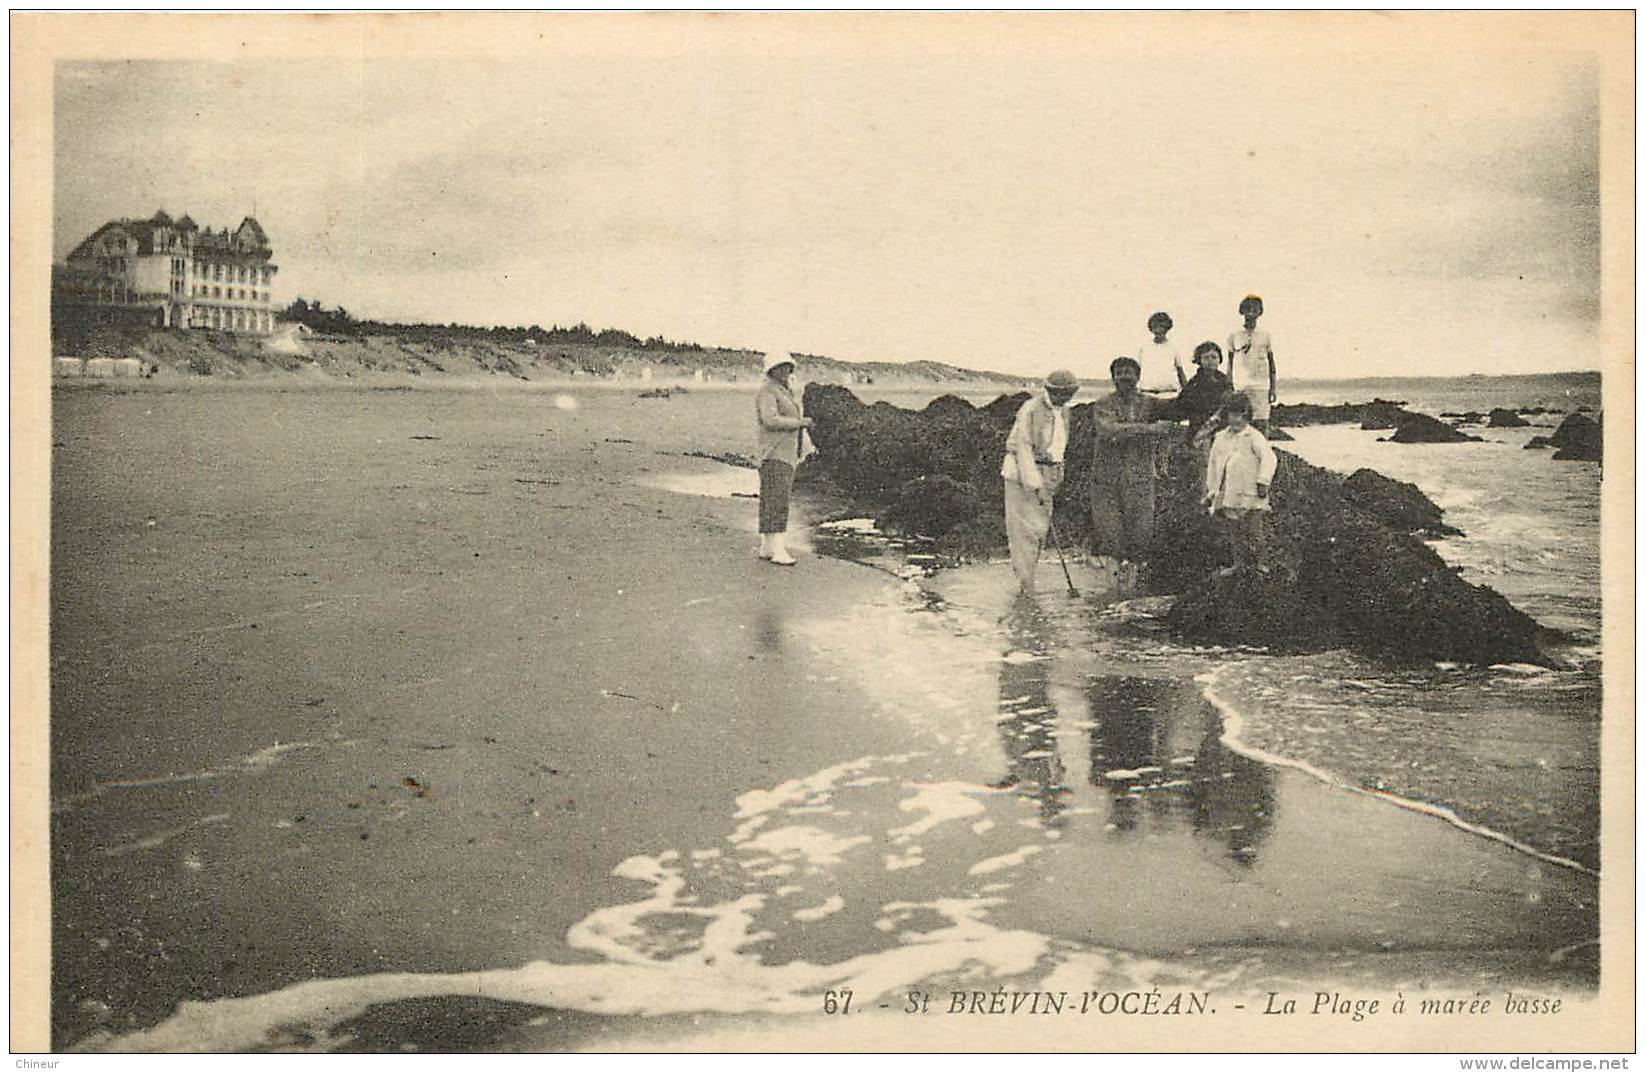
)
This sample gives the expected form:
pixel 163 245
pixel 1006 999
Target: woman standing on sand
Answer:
pixel 781 445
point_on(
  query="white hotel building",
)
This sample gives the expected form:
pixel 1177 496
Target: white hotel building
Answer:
pixel 171 274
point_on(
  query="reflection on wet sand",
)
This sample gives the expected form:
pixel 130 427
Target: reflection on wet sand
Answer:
pixel 1156 747
pixel 770 629
pixel 1028 717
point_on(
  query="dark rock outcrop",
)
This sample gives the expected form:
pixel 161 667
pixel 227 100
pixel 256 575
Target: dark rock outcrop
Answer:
pixel 951 405
pixel 1346 569
pixel 1578 439
pixel 941 507
pixel 1420 428
pixel 1397 503
pixel 1501 418
pixel 1279 435
pixel 1376 414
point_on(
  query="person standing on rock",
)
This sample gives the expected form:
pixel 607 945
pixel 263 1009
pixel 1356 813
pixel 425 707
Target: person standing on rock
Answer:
pixel 1237 478
pixel 1251 363
pixel 1033 471
pixel 1125 461
pixel 1162 371
pixel 1202 398
pixel 780 446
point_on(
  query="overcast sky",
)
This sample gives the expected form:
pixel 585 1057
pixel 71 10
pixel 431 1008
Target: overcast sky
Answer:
pixel 1401 211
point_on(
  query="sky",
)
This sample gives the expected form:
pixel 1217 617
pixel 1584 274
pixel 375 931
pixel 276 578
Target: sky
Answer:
pixel 1402 210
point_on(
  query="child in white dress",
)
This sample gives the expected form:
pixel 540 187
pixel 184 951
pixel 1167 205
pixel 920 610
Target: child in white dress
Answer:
pixel 1237 479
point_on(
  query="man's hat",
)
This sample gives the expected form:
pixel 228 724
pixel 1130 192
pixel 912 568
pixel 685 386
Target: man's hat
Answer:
pixel 1062 380
pixel 774 358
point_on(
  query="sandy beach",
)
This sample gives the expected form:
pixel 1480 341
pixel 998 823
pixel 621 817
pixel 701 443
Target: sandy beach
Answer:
pixel 450 718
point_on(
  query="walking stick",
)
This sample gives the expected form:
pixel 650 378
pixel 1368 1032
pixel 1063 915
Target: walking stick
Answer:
pixel 1058 545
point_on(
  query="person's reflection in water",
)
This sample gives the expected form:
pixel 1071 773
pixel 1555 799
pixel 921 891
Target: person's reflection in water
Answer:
pixel 1130 744
pixel 1028 717
pixel 769 630
pixel 1156 745
pixel 1232 795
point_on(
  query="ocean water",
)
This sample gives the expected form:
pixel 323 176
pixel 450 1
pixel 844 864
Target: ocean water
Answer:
pixel 1512 749
pixel 1515 748
pixel 1083 805
pixel 1457 394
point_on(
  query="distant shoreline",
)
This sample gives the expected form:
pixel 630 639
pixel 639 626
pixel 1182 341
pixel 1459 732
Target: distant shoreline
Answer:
pixel 200 354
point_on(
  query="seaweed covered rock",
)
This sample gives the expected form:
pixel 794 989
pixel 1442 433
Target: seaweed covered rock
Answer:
pixel 933 507
pixel 1579 439
pixel 1501 418
pixel 1341 576
pixel 1376 414
pixel 1345 567
pixel 1397 503
pixel 872 451
pixel 1393 595
pixel 1004 409
pixel 1244 607
pixel 948 405
pixel 1420 428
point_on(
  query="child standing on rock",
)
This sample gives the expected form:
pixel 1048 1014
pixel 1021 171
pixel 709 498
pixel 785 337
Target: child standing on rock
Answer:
pixel 1202 398
pixel 1251 363
pixel 1237 478
pixel 1162 371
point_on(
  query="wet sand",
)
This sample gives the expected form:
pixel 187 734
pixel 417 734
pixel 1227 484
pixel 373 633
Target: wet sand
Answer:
pixel 351 683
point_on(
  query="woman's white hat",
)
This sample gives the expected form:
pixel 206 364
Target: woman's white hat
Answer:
pixel 774 358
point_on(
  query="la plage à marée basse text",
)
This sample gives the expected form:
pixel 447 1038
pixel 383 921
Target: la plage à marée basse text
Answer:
pixel 1158 1003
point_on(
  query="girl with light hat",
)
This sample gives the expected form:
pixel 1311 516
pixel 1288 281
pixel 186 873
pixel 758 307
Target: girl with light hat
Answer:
pixel 780 445
pixel 1033 470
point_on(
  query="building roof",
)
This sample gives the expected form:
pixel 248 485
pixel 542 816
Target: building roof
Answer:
pixel 249 240
pixel 251 232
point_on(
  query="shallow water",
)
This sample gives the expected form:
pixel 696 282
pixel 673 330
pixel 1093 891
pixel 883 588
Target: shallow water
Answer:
pixel 1067 815
pixel 1073 811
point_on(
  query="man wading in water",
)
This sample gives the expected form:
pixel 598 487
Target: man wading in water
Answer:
pixel 1033 471
pixel 1125 463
